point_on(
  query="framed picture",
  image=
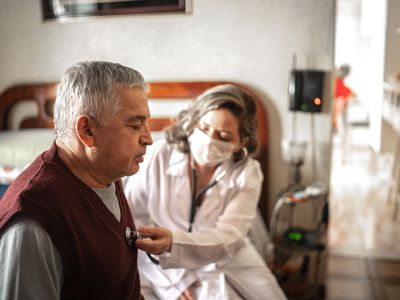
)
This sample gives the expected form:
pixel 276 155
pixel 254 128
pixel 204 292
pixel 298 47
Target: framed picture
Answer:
pixel 59 9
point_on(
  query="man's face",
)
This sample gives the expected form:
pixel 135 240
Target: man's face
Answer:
pixel 120 145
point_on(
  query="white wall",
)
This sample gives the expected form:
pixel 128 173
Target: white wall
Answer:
pixel 392 54
pixel 251 42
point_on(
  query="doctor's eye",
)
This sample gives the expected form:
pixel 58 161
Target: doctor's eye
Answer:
pixel 225 136
pixel 203 127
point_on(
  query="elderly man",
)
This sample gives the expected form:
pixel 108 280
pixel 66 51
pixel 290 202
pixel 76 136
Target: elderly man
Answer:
pixel 65 226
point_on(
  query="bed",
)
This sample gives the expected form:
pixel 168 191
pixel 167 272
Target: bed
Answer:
pixel 26 123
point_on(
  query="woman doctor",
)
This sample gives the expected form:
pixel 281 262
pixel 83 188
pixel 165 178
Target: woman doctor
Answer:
pixel 202 183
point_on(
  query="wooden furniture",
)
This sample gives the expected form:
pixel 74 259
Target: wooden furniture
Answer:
pixel 44 95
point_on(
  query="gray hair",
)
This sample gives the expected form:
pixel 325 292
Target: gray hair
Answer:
pixel 227 96
pixel 91 88
pixel 343 71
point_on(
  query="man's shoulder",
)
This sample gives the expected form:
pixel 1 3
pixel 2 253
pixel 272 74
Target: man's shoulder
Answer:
pixel 41 175
pixel 20 225
pixel 42 183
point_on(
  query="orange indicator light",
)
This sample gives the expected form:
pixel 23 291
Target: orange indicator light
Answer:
pixel 317 101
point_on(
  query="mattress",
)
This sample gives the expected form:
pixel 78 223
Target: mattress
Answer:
pixel 18 148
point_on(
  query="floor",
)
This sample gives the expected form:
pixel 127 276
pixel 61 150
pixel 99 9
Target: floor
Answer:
pixel 364 237
pixel 362 278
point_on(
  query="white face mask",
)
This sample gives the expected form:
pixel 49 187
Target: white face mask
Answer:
pixel 208 151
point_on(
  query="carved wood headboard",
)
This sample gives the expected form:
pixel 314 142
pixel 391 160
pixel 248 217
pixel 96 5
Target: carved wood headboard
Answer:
pixel 44 95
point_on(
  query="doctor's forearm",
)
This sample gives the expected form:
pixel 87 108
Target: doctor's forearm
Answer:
pixel 194 250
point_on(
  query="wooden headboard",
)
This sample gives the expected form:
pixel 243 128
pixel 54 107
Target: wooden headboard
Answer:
pixel 44 95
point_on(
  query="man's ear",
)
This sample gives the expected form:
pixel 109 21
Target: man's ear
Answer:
pixel 84 130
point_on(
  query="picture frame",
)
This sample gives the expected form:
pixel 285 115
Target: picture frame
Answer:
pixel 65 9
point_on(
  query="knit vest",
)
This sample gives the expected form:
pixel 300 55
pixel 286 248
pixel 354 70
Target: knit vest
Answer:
pixel 97 262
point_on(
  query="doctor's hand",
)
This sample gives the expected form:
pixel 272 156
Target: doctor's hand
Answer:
pixel 189 294
pixel 155 240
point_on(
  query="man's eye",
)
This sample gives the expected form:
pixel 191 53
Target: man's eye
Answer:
pixel 135 126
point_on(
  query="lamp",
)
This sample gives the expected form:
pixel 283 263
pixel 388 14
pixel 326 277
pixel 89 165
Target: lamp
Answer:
pixel 294 153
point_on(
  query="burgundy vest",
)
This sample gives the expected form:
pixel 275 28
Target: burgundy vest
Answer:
pixel 97 262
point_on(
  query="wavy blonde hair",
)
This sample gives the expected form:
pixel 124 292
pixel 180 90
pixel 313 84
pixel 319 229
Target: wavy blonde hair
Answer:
pixel 227 96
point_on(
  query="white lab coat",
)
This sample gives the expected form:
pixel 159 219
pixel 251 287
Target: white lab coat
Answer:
pixel 217 252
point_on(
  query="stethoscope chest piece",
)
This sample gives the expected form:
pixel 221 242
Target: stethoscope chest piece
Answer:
pixel 131 236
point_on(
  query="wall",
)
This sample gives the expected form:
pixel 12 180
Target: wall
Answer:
pixel 392 53
pixel 392 66
pixel 251 42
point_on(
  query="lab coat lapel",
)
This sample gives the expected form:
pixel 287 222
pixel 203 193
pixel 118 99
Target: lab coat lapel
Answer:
pixel 177 164
pixel 178 168
pixel 213 198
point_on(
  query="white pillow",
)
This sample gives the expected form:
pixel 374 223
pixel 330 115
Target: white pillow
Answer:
pixel 18 148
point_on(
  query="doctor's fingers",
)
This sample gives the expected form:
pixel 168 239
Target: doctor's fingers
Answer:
pixel 154 233
pixel 155 240
pixel 158 234
pixel 187 295
pixel 153 246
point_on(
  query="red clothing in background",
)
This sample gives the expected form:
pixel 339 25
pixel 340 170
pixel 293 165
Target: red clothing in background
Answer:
pixel 341 97
pixel 341 90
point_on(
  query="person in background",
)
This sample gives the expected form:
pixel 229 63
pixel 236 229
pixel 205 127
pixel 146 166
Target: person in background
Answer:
pixel 341 96
pixel 202 183
pixel 65 225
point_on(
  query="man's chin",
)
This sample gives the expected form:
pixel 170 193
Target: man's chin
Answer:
pixel 133 170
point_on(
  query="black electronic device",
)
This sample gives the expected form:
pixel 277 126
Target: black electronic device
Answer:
pixel 306 90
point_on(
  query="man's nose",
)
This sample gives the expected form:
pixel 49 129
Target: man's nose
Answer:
pixel 145 138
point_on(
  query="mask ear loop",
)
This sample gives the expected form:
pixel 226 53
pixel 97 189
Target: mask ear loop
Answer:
pixel 245 153
pixel 244 156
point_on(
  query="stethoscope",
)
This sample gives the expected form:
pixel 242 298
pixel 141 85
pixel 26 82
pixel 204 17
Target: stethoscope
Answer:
pixel 196 196
pixel 131 236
